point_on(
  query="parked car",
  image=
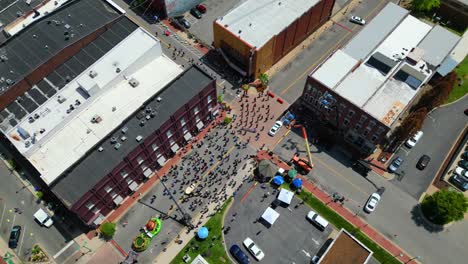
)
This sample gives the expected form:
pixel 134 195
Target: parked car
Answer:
pixel 196 13
pixel 239 255
pixel 372 203
pixel 423 162
pixel 253 249
pixel 411 142
pixel 465 155
pixel 183 22
pixel 275 128
pixel 317 220
pixel 462 172
pixel 396 163
pixel 459 182
pixel 201 8
pixel 43 218
pixel 14 237
pixel 357 20
pixel 463 164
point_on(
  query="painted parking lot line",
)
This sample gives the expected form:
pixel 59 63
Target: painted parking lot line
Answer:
pixel 22 239
pixel 3 214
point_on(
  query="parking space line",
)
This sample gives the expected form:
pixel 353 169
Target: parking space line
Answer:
pixel 13 221
pixel 3 214
pixel 22 239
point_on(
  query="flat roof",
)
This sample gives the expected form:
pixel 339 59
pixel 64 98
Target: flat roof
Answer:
pixel 10 10
pixel 250 18
pixel 384 83
pixel 346 249
pixel 436 50
pixel 67 135
pixel 42 40
pixel 96 165
pixel 455 57
pixel 374 32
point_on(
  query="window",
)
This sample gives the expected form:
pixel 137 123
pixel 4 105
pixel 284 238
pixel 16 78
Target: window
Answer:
pixel 171 141
pixel 309 87
pixel 357 127
pixel 107 189
pixel 197 118
pixel 371 124
pixel 182 121
pixel 113 195
pixel 140 160
pixel 90 205
pixel 374 138
pixel 351 113
pixel 366 132
pixel 380 130
pixel 184 130
pixel 154 146
pixel 143 167
pixel 342 107
pixel 346 122
pixel 209 98
pixel 124 174
pixel 158 154
pixel 362 119
pixel 169 133
pixel 129 181
pixel 195 110
pixel 95 210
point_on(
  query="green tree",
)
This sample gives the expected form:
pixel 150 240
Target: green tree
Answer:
pixel 263 78
pixel 108 229
pixel 445 206
pixel 424 5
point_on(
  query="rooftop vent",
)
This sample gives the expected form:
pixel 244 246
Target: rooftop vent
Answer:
pixel 96 119
pixel 117 145
pixel 133 82
pixel 100 149
pixel 148 109
pixel 139 138
pixel 159 99
pixel 3 57
pixel 124 130
pixel 61 99
pixel 117 70
pixel 142 122
pixel 123 138
pixel 93 74
pixel 113 140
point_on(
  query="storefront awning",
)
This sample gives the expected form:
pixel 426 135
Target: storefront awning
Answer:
pixel 133 186
pixel 200 125
pixel 118 200
pixel 148 172
pixel 161 161
pixel 187 136
pixel 175 147
pixel 99 219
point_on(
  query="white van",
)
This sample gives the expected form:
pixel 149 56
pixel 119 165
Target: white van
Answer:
pixel 43 218
pixel 316 219
pixel 411 142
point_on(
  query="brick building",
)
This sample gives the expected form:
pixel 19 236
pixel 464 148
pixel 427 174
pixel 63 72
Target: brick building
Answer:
pixel 97 108
pixel 258 33
pixel 363 89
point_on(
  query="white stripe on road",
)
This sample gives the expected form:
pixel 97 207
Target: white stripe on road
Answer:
pixel 63 249
pixel 22 239
pixel 13 222
pixel 3 214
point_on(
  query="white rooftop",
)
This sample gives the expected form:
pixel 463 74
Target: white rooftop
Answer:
pixel 66 136
pixel 285 196
pixel 375 91
pixel 260 20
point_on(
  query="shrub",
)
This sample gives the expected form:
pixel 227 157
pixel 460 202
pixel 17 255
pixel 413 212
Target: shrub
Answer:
pixel 108 229
pixel 39 195
pixel 227 120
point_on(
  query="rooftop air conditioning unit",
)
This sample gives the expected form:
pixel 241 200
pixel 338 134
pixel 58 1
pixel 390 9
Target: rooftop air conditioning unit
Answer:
pixel 92 74
pixel 133 82
pixel 139 138
pixel 159 99
pixel 117 146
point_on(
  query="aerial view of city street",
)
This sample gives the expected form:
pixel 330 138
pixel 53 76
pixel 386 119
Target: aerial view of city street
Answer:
pixel 233 131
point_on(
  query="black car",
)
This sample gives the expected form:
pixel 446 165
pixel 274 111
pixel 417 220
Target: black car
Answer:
pixel 460 182
pixel 240 256
pixel 14 237
pixel 465 155
pixel 463 164
pixel 183 22
pixel 422 162
pixel 196 13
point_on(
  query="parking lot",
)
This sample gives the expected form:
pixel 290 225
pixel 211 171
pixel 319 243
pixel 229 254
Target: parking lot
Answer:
pixel 455 162
pixel 291 239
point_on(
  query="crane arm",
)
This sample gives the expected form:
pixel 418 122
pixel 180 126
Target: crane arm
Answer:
pixel 304 135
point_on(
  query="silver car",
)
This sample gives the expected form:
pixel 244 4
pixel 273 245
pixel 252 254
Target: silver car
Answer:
pixel 357 20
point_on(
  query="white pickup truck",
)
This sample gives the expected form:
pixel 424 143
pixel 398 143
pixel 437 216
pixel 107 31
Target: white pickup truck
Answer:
pixel 43 218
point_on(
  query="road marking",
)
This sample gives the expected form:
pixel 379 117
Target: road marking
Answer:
pixel 63 249
pixel 306 253
pixel 281 139
pixel 248 192
pixel 13 222
pixel 22 239
pixel 327 52
pixel 342 26
pixel 3 214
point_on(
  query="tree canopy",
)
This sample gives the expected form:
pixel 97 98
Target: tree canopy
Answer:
pixel 445 206
pixel 424 5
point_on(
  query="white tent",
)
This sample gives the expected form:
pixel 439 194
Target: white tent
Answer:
pixel 285 196
pixel 270 215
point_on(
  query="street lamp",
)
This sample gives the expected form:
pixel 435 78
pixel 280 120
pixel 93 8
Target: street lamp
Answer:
pixel 415 258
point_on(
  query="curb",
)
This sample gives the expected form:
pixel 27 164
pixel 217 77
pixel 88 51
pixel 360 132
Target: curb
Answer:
pixel 222 233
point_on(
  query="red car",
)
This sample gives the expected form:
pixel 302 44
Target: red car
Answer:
pixel 201 8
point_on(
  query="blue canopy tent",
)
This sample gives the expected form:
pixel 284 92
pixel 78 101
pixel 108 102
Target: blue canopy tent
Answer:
pixel 278 180
pixel 202 232
pixel 297 183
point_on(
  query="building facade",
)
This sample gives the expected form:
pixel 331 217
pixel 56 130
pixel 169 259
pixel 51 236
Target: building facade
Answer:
pixel 251 46
pixel 455 11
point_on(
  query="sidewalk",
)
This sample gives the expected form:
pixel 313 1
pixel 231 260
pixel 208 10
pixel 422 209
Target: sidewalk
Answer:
pixel 351 217
pixel 173 248
pixel 4 250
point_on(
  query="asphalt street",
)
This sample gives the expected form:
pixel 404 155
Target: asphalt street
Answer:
pixel 210 179
pixel 441 129
pixel 396 216
pixel 13 194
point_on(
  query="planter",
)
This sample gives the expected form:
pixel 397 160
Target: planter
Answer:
pixel 38 255
pixel 140 243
